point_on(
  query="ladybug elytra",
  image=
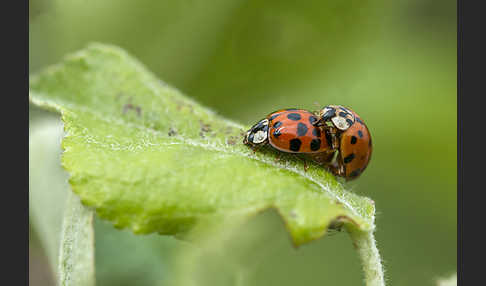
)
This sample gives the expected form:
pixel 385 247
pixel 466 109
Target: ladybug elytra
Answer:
pixel 289 130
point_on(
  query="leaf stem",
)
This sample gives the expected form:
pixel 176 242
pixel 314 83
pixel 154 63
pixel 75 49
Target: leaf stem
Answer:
pixel 365 243
pixel 76 257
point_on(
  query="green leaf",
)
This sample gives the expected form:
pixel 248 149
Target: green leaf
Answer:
pixel 150 159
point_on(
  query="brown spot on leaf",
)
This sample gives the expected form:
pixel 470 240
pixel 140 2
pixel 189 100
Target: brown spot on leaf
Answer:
pixel 130 106
pixel 172 132
pixel 204 127
pixel 232 140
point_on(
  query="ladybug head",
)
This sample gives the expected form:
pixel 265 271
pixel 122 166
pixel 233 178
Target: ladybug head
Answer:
pixel 336 116
pixel 258 134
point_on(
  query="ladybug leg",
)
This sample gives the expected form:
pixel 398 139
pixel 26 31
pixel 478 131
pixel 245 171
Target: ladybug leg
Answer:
pixel 334 137
pixel 341 171
pixel 305 162
pixel 331 164
pixel 337 168
pixel 255 148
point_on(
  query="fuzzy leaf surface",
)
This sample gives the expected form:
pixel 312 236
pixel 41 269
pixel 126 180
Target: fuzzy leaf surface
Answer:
pixel 148 158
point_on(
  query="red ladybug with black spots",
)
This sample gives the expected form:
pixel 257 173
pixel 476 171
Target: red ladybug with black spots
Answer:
pixel 291 131
pixel 353 137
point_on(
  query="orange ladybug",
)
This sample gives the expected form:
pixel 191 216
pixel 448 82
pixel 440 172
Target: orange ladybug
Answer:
pixel 353 140
pixel 291 131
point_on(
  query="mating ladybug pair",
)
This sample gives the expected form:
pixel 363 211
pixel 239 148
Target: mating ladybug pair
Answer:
pixel 335 137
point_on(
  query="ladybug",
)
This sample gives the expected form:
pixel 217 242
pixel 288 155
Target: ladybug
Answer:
pixel 353 137
pixel 291 131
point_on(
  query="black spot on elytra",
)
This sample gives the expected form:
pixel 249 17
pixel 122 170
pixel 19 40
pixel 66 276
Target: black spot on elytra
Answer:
pixel 316 132
pixel 349 121
pixel 359 120
pixel 312 120
pixel 353 140
pixel 315 144
pixel 276 133
pixel 290 109
pixel 301 129
pixel 295 144
pixel 273 116
pixel 348 158
pixel 294 116
pixel 277 124
pixel 360 134
pixel 355 173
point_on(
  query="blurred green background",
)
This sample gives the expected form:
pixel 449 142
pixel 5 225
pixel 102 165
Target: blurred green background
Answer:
pixel 393 62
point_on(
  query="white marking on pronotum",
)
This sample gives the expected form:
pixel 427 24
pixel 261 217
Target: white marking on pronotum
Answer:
pixel 340 122
pixel 259 137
